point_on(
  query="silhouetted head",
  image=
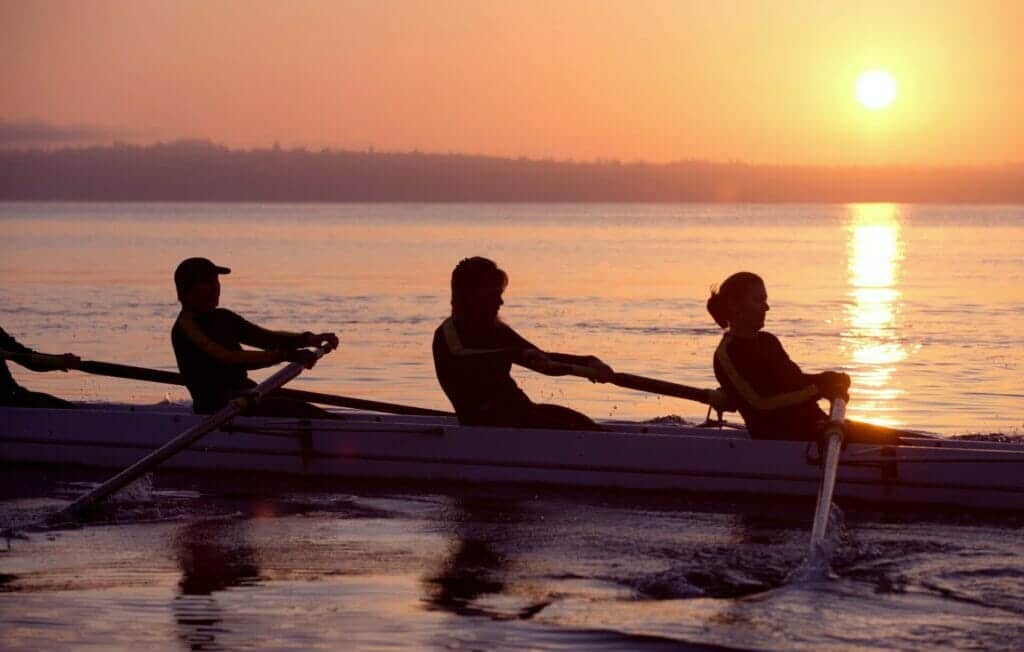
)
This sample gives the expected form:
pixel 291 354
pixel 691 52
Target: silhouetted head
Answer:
pixel 477 286
pixel 198 283
pixel 739 303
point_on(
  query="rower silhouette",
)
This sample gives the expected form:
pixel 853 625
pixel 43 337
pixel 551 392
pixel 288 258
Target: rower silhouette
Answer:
pixel 14 395
pixel 474 351
pixel 208 343
pixel 776 398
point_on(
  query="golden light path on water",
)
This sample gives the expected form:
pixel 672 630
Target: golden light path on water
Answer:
pixel 875 249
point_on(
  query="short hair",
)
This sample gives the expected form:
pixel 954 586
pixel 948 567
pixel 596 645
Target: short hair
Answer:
pixel 732 288
pixel 471 274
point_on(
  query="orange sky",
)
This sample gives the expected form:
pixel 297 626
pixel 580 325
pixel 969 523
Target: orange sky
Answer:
pixel 658 80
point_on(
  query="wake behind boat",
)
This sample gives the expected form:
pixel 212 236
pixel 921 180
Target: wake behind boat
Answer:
pixel 362 445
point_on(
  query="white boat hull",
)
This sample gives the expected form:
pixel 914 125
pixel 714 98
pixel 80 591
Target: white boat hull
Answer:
pixel 932 472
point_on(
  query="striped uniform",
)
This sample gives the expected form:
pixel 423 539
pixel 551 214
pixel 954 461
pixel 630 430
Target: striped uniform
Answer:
pixel 777 400
pixel 474 370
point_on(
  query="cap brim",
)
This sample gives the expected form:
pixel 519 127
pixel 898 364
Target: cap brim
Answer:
pixel 221 270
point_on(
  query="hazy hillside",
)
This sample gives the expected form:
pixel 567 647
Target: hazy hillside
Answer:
pixel 203 171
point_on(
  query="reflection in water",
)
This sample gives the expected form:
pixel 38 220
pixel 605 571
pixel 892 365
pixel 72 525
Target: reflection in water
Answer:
pixel 214 556
pixel 478 561
pixel 875 252
pixel 473 567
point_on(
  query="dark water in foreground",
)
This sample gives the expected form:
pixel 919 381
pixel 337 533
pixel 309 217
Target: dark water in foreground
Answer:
pixel 188 565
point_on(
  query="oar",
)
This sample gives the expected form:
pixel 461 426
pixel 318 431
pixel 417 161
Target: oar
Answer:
pixel 171 378
pixel 359 403
pixel 188 437
pixel 834 432
pixel 713 397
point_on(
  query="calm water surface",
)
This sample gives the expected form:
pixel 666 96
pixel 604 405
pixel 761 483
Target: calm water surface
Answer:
pixel 193 567
pixel 920 304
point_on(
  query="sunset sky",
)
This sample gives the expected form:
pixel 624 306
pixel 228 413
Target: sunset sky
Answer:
pixel 655 80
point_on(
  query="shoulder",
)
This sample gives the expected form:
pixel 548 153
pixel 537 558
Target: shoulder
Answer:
pixel 504 330
pixel 764 338
pixel 226 315
pixel 184 329
pixel 439 331
pixel 447 342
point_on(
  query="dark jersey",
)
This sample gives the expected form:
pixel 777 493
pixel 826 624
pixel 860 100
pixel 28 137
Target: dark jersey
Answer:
pixel 213 383
pixel 8 386
pixel 474 369
pixel 777 400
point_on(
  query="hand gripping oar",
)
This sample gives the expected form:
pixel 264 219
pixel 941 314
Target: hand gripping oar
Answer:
pixel 113 370
pixel 834 433
pixel 188 437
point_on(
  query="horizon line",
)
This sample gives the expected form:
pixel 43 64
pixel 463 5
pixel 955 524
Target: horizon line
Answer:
pixel 373 151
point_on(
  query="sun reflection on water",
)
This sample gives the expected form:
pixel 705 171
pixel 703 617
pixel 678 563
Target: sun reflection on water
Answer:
pixel 875 250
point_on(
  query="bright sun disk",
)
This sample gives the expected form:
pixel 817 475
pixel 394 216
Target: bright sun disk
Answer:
pixel 876 89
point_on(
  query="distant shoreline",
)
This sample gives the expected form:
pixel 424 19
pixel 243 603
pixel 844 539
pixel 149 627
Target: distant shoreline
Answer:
pixel 200 171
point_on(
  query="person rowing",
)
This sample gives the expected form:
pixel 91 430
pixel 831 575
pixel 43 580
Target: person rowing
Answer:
pixel 208 339
pixel 474 351
pixel 776 399
pixel 14 395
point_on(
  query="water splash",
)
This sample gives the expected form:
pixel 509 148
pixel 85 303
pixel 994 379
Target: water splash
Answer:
pixel 817 565
pixel 139 491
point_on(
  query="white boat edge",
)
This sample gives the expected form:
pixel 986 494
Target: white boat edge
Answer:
pixel 362 445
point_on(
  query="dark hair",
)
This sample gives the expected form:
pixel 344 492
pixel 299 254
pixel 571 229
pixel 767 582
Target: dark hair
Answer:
pixel 732 288
pixel 473 273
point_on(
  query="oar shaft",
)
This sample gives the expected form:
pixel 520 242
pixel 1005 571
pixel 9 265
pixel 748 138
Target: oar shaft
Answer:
pixel 173 378
pixel 710 397
pixel 358 403
pixel 133 373
pixel 828 475
pixel 189 436
pixel 144 465
pixel 630 381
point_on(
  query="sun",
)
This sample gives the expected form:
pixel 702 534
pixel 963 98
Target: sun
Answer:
pixel 876 89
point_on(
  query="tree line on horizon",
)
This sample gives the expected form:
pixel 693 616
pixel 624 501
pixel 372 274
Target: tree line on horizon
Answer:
pixel 204 171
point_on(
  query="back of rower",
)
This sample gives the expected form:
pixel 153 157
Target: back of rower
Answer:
pixel 208 343
pixel 776 398
pixel 474 352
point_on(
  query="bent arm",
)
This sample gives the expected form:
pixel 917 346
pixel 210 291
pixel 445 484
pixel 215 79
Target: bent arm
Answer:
pixel 563 364
pixel 262 338
pixel 757 399
pixel 247 359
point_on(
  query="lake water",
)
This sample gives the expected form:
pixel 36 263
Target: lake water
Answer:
pixel 920 304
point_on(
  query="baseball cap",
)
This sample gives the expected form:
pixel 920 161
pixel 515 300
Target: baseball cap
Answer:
pixel 191 270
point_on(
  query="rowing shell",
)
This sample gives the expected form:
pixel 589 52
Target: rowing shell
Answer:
pixel 920 471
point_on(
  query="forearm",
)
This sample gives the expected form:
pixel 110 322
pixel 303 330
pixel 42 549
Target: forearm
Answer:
pixel 254 359
pixel 266 339
pixel 35 361
pixel 567 358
